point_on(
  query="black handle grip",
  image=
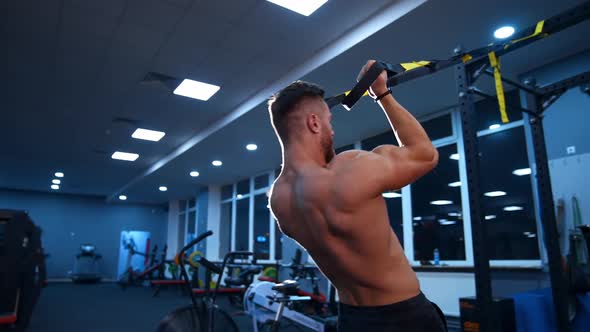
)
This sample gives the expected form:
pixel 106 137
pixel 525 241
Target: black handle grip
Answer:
pixel 195 241
pixel 209 265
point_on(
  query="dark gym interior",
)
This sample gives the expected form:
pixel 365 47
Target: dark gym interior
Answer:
pixel 137 158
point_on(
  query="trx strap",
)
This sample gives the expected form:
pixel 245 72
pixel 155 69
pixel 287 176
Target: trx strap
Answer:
pixel 495 63
pixel 349 98
pixel 538 31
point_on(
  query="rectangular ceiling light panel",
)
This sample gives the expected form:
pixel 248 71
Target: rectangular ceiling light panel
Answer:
pixel 303 7
pixel 196 90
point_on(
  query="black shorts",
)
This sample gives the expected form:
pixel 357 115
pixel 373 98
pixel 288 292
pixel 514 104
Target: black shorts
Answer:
pixel 415 314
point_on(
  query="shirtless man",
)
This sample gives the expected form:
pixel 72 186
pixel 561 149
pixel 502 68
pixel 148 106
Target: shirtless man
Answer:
pixel 332 206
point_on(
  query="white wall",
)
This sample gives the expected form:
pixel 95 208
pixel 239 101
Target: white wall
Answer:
pixel 213 222
pixel 445 289
pixel 569 177
pixel 172 239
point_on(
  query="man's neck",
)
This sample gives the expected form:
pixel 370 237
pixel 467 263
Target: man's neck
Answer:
pixel 296 156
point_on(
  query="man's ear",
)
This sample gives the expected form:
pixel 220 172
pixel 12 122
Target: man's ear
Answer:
pixel 313 123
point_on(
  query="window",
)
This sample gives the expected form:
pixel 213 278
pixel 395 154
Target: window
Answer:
pixel 437 211
pixel 488 112
pixel 224 229
pixel 242 226
pixel 372 142
pixel 508 205
pixel 227 192
pixel 261 227
pixel 181 228
pixel 192 203
pixel 244 187
pixel 261 181
pixel 439 127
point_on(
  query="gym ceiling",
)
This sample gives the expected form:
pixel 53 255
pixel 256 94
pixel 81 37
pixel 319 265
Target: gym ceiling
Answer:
pixel 74 85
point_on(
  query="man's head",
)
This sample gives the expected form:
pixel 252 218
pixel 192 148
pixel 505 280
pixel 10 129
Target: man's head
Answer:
pixel 299 114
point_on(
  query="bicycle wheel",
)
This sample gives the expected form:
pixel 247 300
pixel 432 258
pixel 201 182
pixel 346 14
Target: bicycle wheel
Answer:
pixel 285 326
pixel 222 321
pixel 185 319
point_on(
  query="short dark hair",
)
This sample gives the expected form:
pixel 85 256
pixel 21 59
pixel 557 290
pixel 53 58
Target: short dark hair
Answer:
pixel 283 102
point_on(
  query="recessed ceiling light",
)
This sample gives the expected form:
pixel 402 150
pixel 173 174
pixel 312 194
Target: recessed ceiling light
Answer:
pixel 504 32
pixel 513 208
pixel 123 197
pixel 194 174
pixel 56 181
pixel 530 236
pixel 125 156
pixel 495 193
pixel 527 233
pixel 441 202
pixel 454 214
pixel 391 194
pixel 494 126
pixel 305 8
pixel 454 156
pixel 163 188
pixel 251 147
pixel 418 218
pixel 445 222
pixel 54 187
pixel 59 174
pixel 148 135
pixel 455 184
pixel 196 90
pixel 522 171
pixel 240 196
pixel 216 163
pixel 490 217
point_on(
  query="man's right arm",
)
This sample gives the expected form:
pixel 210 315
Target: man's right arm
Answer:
pixel 389 167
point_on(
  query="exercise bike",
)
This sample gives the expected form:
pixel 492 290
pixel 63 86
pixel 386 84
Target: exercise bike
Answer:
pixel 267 303
pixel 202 314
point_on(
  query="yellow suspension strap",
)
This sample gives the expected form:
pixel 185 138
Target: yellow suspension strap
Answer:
pixel 495 63
pixel 538 31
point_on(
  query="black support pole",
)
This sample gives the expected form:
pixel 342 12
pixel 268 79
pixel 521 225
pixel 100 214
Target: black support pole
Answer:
pixel 480 250
pixel 559 283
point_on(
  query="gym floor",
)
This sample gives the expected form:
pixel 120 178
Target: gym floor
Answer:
pixel 102 307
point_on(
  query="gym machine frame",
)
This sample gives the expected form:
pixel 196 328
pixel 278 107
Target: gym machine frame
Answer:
pixel 468 67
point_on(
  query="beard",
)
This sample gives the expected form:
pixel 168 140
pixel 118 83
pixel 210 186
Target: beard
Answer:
pixel 327 145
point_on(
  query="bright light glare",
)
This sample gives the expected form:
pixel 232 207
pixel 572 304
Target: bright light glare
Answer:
pixel 513 208
pixel 455 184
pixel 59 174
pixel 490 217
pixel 441 202
pixel 125 156
pixel 196 90
pixel 56 181
pixel 148 135
pixel 163 188
pixel 251 147
pixel 417 218
pixel 391 194
pixel 495 193
pixel 454 214
pixel 494 126
pixel 454 156
pixel 504 32
pixel 216 163
pixel 54 187
pixel 522 171
pixel 194 174
pixel 123 197
pixel 303 7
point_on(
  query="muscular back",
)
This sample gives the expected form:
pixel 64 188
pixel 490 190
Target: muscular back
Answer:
pixel 345 228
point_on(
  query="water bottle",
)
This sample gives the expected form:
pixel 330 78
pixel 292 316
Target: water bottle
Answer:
pixel 436 257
